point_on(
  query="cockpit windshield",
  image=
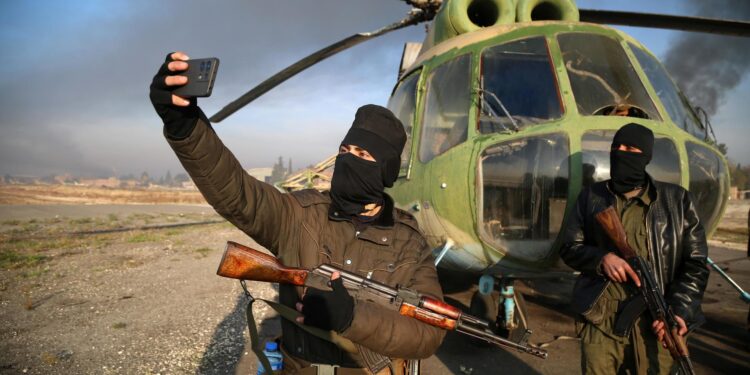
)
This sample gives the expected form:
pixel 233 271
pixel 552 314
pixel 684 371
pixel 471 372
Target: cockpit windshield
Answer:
pixel 518 86
pixel 603 79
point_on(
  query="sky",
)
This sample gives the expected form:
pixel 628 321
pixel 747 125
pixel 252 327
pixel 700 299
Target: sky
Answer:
pixel 75 77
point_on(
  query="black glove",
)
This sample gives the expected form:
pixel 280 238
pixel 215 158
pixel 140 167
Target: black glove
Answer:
pixel 178 121
pixel 332 310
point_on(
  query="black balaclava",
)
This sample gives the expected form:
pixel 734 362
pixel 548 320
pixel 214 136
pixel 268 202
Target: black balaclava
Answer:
pixel 357 182
pixel 628 169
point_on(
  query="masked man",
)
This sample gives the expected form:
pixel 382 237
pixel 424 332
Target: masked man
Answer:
pixel 354 227
pixel 662 226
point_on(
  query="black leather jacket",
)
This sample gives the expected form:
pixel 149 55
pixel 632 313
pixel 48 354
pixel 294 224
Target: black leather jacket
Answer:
pixel 676 244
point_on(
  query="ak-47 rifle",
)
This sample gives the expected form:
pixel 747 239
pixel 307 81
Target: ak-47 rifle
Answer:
pixel 651 295
pixel 244 263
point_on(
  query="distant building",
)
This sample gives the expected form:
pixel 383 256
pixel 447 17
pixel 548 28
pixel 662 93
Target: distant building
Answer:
pixel 112 182
pixel 260 174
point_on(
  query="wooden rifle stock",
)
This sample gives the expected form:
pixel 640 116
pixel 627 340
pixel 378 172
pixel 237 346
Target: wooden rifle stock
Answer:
pixel 244 263
pixel 610 222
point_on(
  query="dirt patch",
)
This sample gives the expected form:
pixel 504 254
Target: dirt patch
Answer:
pixel 135 302
pixel 69 194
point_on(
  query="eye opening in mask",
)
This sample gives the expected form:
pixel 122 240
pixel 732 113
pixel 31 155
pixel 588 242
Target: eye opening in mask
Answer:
pixel 356 151
pixel 626 148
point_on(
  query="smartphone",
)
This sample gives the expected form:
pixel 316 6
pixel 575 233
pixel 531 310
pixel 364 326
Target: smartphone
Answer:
pixel 201 74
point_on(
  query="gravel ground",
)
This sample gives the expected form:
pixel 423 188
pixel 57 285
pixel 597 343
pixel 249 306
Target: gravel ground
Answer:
pixel 149 302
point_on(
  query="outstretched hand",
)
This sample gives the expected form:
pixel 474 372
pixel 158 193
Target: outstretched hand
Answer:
pixel 329 310
pixel 617 269
pixel 178 114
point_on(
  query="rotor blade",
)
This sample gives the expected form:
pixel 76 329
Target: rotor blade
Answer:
pixel 663 21
pixel 415 16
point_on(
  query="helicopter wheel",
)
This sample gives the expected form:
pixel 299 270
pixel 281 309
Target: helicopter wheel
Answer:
pixel 484 307
pixel 519 318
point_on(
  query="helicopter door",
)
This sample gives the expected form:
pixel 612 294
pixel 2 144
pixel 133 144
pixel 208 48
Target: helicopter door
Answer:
pixel 442 148
pixel 403 104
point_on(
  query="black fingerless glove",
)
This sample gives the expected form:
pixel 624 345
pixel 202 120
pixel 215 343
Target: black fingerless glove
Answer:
pixel 178 121
pixel 332 310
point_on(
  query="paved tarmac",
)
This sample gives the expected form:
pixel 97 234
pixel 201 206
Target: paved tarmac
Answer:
pixel 721 346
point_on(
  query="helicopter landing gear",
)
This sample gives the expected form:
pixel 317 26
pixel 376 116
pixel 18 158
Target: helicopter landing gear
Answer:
pixel 505 309
pixel 485 307
pixel 511 321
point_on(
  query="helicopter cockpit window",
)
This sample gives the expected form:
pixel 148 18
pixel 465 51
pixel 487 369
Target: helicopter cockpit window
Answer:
pixel 402 104
pixel 524 186
pixel 519 86
pixel 595 148
pixel 708 180
pixel 603 80
pixel 674 102
pixel 446 113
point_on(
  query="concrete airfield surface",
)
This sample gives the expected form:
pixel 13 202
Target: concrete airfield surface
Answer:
pixel 150 301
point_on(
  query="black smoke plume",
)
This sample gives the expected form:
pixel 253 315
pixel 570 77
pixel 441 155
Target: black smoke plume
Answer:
pixel 708 66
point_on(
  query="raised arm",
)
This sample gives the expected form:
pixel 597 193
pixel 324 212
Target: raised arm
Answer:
pixel 254 207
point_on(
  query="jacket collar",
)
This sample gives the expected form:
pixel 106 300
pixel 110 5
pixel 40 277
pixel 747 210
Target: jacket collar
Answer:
pixel 381 231
pixel 651 189
pixel 385 219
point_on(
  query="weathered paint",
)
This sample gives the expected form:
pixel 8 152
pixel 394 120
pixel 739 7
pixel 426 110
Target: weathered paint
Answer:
pixel 452 212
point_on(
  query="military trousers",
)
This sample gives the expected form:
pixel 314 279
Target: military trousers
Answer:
pixel 640 353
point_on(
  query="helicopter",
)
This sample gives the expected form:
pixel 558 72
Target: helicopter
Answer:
pixel 510 107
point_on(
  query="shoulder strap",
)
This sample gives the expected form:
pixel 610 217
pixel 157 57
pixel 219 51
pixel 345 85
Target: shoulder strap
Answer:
pixel 254 338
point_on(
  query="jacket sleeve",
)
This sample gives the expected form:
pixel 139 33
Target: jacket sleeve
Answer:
pixel 385 331
pixel 685 292
pixel 256 208
pixel 574 250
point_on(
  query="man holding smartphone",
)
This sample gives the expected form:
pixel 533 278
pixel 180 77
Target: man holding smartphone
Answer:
pixel 355 227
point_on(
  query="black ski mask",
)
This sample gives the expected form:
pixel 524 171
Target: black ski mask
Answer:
pixel 628 169
pixel 357 182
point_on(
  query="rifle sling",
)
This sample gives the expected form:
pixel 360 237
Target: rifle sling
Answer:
pixel 254 338
pixel 375 362
pixel 627 313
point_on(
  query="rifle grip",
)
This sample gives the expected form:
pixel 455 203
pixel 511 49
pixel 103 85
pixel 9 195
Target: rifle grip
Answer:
pixel 426 316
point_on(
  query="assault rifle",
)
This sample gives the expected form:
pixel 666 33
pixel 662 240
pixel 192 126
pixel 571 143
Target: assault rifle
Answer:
pixel 651 296
pixel 244 263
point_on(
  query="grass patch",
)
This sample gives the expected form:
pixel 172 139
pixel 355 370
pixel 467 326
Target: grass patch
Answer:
pixel 83 220
pixel 144 237
pixel 113 217
pixel 119 325
pixel 39 271
pixel 12 259
pixel 174 232
pixel 11 222
pixel 203 252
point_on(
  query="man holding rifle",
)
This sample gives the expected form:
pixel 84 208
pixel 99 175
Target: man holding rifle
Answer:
pixel 356 228
pixel 661 226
